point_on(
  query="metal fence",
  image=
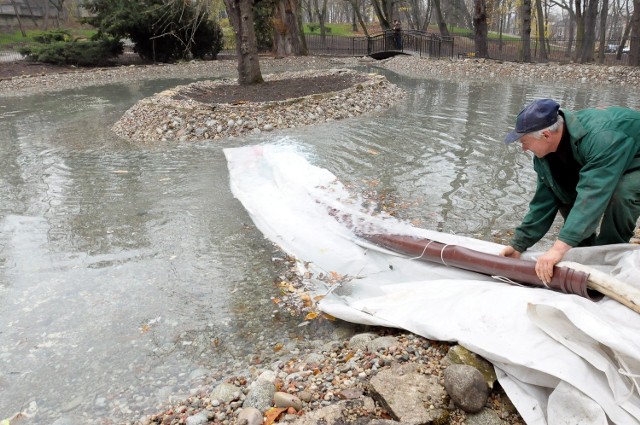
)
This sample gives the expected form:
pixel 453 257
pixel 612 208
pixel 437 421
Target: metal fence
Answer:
pixel 409 42
pixel 558 50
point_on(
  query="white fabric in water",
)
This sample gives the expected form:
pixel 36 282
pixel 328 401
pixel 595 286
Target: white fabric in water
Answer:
pixel 560 358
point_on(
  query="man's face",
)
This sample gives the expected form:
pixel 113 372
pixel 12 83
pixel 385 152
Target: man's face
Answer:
pixel 539 147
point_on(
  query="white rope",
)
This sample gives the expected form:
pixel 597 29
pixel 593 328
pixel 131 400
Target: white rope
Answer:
pixel 507 280
pixel 625 371
pixel 442 255
pixel 422 253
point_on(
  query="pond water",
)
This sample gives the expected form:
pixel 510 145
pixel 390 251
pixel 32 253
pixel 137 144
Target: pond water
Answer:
pixel 129 274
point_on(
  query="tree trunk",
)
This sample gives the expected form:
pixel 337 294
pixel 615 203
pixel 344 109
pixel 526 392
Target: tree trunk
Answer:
pixel 572 19
pixel 526 30
pixel 589 38
pixel 442 25
pixel 579 31
pixel 321 14
pixel 286 30
pixel 623 42
pixel 303 39
pixel 33 16
pixel 541 36
pixel 603 30
pixel 17 12
pixel 356 9
pixel 381 12
pixel 240 14
pixel 481 30
pixel 634 47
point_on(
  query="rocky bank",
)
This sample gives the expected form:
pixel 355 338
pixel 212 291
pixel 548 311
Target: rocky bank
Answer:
pixel 379 377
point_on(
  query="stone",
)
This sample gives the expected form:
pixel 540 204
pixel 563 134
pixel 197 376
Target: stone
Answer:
pixel 224 392
pixel 260 395
pixel 484 417
pixel 361 341
pixel 382 343
pixel 460 355
pixel 197 419
pixel 282 399
pixel 405 393
pixel 466 387
pixel 335 413
pixel 250 416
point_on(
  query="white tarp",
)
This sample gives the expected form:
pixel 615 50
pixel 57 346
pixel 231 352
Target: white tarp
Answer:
pixel 562 359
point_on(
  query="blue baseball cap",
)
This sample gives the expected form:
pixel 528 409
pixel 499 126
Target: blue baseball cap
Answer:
pixel 537 115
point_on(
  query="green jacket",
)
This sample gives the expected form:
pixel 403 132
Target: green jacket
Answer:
pixel 606 144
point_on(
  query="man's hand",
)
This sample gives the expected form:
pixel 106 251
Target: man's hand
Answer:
pixel 509 251
pixel 544 265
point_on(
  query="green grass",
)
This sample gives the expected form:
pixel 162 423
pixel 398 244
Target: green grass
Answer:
pixel 332 29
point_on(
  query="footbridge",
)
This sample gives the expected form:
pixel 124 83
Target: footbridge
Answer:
pixel 383 45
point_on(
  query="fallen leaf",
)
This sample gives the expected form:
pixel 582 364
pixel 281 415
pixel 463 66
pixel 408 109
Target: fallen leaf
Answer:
pixel 306 300
pixel 278 346
pixel 311 316
pixel 328 317
pixel 272 414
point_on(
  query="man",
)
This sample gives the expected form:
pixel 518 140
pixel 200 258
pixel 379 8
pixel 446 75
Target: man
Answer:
pixel 397 33
pixel 588 167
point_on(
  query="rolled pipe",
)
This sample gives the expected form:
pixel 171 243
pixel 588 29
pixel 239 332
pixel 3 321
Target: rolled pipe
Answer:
pixel 565 280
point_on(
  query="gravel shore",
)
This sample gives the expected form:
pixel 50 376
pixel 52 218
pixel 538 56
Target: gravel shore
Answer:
pixel 339 371
pixel 568 73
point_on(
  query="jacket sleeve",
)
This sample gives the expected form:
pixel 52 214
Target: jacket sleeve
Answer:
pixel 542 211
pixel 607 154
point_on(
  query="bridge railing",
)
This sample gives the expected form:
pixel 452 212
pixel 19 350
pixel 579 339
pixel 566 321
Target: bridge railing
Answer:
pixel 413 42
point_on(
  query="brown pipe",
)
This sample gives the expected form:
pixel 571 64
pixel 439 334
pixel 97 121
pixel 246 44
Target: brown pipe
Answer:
pixel 564 279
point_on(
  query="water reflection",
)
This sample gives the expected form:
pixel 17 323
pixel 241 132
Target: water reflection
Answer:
pixel 128 271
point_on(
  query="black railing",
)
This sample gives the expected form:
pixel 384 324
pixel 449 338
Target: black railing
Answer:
pixel 418 43
pixel 410 42
pixel 558 50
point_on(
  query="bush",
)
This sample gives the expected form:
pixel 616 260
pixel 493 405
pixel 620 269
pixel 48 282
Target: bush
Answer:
pixel 49 37
pixel 79 53
pixel 160 30
pixel 263 24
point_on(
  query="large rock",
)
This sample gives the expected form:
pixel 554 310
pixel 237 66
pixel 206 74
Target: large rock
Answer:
pixel 250 416
pixel 335 414
pixel 260 394
pixel 484 417
pixel 460 355
pixel 409 396
pixel 361 341
pixel 466 387
pixel 282 399
pixel 224 392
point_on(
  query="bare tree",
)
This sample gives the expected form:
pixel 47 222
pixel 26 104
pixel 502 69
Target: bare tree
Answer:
pixel 541 39
pixel 526 30
pixel 603 30
pixel 356 10
pixel 384 12
pixel 241 17
pixel 588 33
pixel 481 31
pixel 17 12
pixel 321 14
pixel 634 47
pixel 287 31
pixel 442 25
